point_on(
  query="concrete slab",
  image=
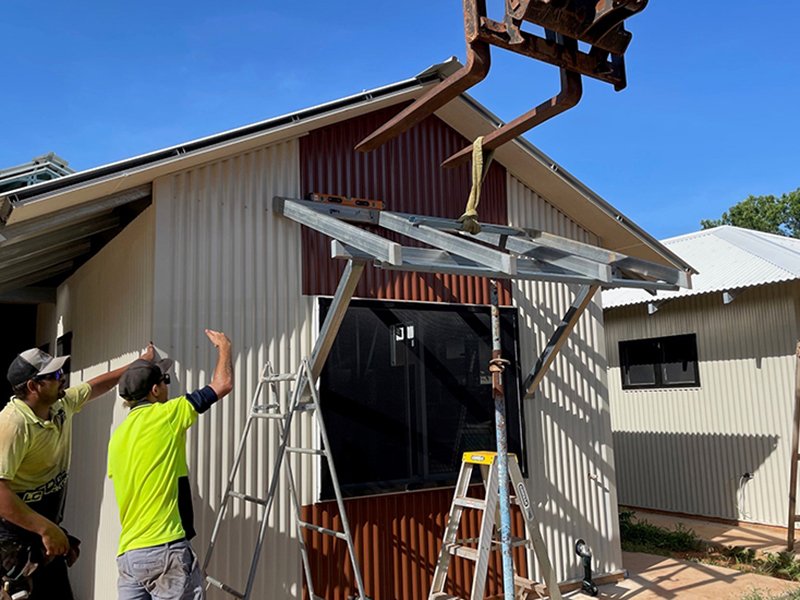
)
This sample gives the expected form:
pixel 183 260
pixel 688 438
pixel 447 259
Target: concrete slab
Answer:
pixel 651 577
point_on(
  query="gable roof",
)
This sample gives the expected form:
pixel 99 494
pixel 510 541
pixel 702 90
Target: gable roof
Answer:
pixel 96 192
pixel 726 258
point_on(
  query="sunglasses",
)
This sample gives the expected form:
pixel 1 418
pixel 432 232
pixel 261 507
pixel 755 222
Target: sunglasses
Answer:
pixel 57 376
pixel 165 378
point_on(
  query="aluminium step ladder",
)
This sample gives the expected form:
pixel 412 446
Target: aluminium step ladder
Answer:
pixel 302 386
pixel 486 542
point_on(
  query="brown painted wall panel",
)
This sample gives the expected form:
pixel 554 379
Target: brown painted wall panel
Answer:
pixel 406 175
pixel 397 539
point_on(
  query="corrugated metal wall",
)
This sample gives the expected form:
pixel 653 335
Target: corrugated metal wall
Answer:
pixel 406 175
pixel 107 305
pixel 684 450
pixel 225 261
pixel 570 454
pixel 398 538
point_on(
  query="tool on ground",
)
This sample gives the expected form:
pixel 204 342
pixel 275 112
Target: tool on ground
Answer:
pixel 301 397
pixel 587 585
pixel 795 457
pixel 598 23
pixel 478 550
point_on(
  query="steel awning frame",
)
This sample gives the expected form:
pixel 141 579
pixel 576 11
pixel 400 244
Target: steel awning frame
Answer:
pixel 498 252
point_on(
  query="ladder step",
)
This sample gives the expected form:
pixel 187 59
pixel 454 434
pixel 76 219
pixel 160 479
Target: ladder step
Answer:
pixel 247 498
pixel 463 551
pixel 444 596
pixel 224 587
pixel 305 451
pixel 324 530
pixel 796 518
pixel 266 408
pixel 305 406
pixel 268 415
pixel 467 502
pixel 280 377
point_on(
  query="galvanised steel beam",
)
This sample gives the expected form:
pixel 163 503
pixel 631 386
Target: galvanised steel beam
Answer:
pixel 333 320
pixel 370 243
pixel 494 259
pixel 567 324
pixel 541 251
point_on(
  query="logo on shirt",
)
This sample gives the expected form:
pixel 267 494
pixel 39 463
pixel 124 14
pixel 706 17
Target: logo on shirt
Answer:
pixel 56 484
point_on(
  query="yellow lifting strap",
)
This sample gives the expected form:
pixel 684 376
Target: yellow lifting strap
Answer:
pixel 480 166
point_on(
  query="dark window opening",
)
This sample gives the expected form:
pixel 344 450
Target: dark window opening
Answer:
pixel 663 362
pixel 406 390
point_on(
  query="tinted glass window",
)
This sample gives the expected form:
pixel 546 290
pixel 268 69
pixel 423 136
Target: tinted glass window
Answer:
pixel 406 390
pixel 659 362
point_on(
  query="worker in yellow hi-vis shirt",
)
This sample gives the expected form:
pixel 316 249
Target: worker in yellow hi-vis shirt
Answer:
pixel 35 447
pixel 146 460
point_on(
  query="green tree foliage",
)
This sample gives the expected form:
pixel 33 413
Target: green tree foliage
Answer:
pixel 763 213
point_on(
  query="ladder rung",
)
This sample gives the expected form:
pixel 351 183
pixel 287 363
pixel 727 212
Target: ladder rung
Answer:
pixel 305 451
pixel 515 542
pixel 267 415
pixel 247 498
pixel 280 377
pixel 324 530
pixel 224 587
pixel 796 518
pixel 463 551
pixel 467 502
pixel 444 596
pixel 265 408
pixel 305 406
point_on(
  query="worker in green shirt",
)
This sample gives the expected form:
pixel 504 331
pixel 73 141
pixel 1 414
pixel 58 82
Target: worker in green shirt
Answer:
pixel 146 458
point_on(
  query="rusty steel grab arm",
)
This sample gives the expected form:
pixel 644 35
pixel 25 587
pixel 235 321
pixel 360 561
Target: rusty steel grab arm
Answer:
pixel 477 67
pixel 596 22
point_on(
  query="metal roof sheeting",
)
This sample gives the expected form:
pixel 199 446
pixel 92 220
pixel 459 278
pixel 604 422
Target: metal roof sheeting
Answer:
pixel 727 258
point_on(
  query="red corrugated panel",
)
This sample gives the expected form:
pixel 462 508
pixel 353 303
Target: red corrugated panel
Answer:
pixel 406 175
pixel 397 539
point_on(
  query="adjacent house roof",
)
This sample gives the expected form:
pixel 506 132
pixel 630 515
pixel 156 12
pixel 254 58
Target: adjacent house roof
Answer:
pixel 117 191
pixel 726 258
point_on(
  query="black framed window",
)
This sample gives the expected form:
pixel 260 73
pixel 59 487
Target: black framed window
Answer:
pixel 663 362
pixel 406 390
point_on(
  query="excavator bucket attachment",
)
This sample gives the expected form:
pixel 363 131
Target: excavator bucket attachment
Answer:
pixel 597 23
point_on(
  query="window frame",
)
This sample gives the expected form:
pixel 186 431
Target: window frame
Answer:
pixel 422 478
pixel 626 346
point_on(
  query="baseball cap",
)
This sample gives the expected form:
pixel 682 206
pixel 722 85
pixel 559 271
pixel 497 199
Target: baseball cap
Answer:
pixel 33 363
pixel 142 375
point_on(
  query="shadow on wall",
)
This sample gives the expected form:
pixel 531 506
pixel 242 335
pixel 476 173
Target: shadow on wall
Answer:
pixel 689 473
pixel 278 575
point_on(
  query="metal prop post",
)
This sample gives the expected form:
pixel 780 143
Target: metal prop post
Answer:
pixel 496 366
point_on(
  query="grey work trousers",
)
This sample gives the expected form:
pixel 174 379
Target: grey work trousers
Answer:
pixel 165 572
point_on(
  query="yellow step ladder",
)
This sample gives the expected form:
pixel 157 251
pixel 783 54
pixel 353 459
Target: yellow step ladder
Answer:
pixel 486 542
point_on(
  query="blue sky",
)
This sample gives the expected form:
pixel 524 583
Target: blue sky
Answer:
pixel 710 114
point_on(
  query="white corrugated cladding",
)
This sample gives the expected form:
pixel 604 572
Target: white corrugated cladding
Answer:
pixel 225 261
pixel 568 424
pixel 685 449
pixel 107 305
